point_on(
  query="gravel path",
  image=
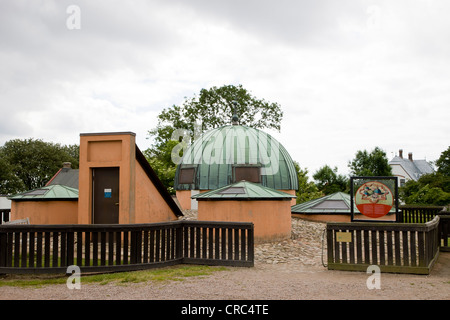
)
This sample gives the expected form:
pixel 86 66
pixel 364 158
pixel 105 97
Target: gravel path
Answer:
pixel 288 270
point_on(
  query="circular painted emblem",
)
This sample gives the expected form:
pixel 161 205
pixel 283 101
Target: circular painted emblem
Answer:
pixel 374 199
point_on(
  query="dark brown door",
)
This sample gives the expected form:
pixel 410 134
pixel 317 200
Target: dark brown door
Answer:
pixel 105 202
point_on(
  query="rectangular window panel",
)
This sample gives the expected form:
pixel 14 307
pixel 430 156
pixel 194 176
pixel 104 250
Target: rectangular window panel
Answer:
pixel 187 175
pixel 246 173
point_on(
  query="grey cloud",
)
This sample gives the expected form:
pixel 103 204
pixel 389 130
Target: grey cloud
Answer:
pixel 303 23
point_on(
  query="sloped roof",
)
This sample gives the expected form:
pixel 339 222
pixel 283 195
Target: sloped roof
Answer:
pixel 66 177
pixel 338 202
pixel 414 168
pixel 48 193
pixel 243 190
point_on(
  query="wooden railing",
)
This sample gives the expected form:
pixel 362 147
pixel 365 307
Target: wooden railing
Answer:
pixel 100 248
pixel 444 230
pixel 394 247
pixel 418 214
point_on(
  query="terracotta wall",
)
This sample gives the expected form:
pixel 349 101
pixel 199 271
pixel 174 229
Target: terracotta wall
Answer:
pixel 107 150
pixel 45 212
pixel 140 201
pixel 271 219
pixel 291 192
pixel 184 199
pixel 149 204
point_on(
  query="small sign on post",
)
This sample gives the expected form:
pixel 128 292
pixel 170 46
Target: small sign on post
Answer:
pixel 343 236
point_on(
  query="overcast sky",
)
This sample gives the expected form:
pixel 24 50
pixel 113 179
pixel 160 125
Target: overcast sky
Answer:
pixel 349 75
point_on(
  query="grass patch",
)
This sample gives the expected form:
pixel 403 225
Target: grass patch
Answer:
pixel 174 273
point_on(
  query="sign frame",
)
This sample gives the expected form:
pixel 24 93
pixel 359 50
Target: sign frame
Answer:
pixel 380 179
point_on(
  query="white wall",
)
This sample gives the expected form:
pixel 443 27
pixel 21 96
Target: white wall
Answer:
pixel 5 203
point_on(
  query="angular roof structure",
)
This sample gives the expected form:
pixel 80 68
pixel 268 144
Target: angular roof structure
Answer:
pixel 66 177
pixel 338 202
pixel 413 168
pixel 244 190
pixel 48 193
pixel 214 157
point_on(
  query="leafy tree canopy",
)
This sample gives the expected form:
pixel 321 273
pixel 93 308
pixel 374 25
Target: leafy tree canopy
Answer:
pixel 443 163
pixel 329 181
pixel 374 163
pixel 28 164
pixel 211 108
pixel 307 190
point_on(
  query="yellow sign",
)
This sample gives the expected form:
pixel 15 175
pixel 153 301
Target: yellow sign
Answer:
pixel 343 236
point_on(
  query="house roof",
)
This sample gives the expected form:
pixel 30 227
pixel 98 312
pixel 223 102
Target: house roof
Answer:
pixel 338 202
pixel 415 168
pixel 66 177
pixel 243 190
pixel 48 193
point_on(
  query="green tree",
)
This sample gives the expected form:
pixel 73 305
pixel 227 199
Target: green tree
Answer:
pixel 307 190
pixel 374 163
pixel 329 181
pixel 162 164
pixel 211 108
pixel 9 183
pixel 443 163
pixel 29 164
pixel 427 195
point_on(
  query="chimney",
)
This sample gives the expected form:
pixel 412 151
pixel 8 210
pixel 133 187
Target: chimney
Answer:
pixel 410 156
pixel 400 153
pixel 67 165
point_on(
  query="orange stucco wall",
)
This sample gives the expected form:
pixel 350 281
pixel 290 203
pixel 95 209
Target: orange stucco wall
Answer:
pixel 291 192
pixel 184 198
pixel 139 200
pixel 45 212
pixel 271 219
pixel 107 150
pixel 149 204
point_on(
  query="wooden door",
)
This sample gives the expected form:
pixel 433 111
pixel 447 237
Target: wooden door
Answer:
pixel 105 200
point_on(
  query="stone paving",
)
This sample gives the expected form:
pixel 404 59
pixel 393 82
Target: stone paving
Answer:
pixel 304 247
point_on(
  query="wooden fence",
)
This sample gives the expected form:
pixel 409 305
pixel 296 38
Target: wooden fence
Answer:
pixel 414 214
pixel 422 214
pixel 444 231
pixel 394 247
pixel 102 248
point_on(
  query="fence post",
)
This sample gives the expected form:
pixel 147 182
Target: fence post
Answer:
pixel 3 248
pixel 179 241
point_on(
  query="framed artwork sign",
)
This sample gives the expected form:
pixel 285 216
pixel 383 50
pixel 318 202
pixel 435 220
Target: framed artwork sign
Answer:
pixel 374 199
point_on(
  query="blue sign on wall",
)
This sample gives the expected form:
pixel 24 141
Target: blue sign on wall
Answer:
pixel 108 193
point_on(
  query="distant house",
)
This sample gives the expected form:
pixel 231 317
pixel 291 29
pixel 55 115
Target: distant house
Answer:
pixel 5 203
pixel 409 169
pixel 66 176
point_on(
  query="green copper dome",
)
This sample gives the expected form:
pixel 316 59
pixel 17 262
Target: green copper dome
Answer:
pixel 229 154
